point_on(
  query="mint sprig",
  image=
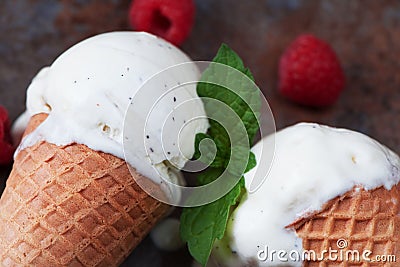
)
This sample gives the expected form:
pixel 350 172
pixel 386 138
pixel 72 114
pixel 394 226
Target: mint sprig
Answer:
pixel 201 226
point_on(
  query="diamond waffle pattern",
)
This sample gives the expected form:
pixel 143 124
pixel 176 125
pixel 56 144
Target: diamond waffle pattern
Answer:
pixel 72 206
pixel 367 220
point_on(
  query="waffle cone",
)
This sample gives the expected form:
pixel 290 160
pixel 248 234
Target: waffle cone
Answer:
pixel 359 220
pixel 72 206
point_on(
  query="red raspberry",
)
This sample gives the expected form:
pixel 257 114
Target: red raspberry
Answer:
pixel 310 73
pixel 169 19
pixel 6 149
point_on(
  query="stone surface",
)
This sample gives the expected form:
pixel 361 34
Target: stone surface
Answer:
pixel 365 35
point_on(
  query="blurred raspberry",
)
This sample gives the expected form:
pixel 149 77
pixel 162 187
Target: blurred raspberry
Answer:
pixel 6 148
pixel 169 19
pixel 310 72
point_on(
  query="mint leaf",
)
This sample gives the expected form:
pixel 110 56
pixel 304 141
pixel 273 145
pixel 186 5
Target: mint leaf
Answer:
pixel 242 106
pixel 201 226
pixel 220 157
pixel 251 163
pixel 210 175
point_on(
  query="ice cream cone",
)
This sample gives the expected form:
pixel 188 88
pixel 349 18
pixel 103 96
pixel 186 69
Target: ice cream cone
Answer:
pixel 360 221
pixel 72 206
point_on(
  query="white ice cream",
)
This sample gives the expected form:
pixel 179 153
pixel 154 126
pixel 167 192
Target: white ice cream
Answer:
pixel 313 164
pixel 87 91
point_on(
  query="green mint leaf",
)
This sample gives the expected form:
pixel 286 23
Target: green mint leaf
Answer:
pixel 209 175
pixel 251 94
pixel 251 163
pixel 200 226
pixel 221 153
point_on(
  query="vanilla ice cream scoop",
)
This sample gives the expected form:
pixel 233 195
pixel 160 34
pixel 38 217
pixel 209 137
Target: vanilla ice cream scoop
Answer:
pixel 87 91
pixel 313 164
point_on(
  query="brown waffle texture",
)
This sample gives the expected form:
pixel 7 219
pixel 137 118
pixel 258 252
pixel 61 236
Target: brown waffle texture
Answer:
pixel 359 220
pixel 72 206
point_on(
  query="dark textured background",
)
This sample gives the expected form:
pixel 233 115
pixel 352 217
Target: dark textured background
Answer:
pixel 365 35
